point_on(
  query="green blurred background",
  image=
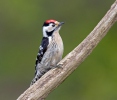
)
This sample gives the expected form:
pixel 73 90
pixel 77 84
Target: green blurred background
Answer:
pixel 20 35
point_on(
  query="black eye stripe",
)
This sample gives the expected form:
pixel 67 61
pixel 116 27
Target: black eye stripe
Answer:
pixel 53 25
pixel 47 24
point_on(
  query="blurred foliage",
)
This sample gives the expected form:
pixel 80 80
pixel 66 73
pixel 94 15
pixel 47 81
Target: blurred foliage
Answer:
pixel 20 35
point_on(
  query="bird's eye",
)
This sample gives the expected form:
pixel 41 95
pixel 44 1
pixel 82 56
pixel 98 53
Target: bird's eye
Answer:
pixel 53 25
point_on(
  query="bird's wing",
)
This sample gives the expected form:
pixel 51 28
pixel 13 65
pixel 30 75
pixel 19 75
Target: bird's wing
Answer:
pixel 42 49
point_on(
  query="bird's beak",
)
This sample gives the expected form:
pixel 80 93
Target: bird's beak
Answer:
pixel 61 23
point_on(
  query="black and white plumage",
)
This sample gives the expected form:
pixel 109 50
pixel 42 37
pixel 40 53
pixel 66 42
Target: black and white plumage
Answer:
pixel 50 50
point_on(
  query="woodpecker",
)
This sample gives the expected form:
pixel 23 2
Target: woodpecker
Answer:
pixel 50 50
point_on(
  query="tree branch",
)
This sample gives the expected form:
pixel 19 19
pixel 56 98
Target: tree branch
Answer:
pixel 49 81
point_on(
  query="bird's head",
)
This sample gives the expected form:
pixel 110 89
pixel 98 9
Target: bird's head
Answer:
pixel 50 26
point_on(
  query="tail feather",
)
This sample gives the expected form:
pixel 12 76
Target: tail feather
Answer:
pixel 38 75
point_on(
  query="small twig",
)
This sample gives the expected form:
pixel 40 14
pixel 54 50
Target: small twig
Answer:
pixel 55 77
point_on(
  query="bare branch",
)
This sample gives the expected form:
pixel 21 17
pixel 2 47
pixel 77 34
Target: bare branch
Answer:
pixel 55 77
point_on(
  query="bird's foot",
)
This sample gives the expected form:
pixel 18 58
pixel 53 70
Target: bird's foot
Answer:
pixel 59 66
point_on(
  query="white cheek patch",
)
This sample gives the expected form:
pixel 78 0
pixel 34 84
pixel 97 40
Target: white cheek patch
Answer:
pixel 50 28
pixel 47 29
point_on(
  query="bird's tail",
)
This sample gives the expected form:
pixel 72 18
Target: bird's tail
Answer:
pixel 38 75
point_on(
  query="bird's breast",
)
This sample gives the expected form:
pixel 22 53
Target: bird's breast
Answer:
pixel 54 51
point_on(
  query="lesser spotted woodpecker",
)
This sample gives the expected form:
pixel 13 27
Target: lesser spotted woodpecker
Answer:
pixel 50 50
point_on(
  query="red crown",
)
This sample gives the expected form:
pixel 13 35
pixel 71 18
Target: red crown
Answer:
pixel 50 21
